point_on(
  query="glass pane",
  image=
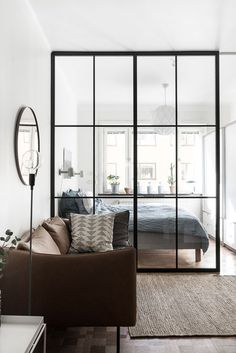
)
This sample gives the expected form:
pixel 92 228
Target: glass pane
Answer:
pixel 155 169
pixel 196 90
pixel 114 90
pixel 156 233
pixel 114 160
pixel 196 233
pixel 74 90
pixel 73 202
pixel 104 205
pixel 196 161
pixel 74 160
pixel 156 90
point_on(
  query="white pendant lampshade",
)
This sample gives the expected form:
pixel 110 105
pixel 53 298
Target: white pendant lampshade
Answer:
pixel 164 115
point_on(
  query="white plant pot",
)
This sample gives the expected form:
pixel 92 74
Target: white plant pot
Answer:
pixel 115 188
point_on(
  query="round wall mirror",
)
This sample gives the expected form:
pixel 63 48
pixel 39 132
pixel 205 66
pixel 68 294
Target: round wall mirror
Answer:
pixel 26 141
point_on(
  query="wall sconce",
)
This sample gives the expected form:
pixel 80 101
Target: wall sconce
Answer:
pixel 67 168
pixel 71 173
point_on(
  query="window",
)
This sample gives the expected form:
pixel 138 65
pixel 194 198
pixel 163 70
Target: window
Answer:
pixel 147 138
pixel 146 171
pixel 188 138
pixel 116 156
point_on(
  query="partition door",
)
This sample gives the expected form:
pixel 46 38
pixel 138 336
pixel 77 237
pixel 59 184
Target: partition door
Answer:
pixel 139 131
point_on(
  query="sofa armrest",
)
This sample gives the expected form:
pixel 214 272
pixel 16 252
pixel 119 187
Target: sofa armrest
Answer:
pixel 14 283
pixel 92 289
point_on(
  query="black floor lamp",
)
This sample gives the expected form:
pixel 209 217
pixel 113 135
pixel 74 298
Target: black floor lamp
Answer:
pixel 31 161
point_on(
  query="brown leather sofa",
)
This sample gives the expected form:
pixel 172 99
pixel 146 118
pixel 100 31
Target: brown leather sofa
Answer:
pixel 83 289
pixel 92 289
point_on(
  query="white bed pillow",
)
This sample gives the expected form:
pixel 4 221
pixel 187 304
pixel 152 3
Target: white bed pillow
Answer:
pixel 91 233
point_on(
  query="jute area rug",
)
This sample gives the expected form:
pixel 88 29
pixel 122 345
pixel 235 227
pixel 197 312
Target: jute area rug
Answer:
pixel 185 305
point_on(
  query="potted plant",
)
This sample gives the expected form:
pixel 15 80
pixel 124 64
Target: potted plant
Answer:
pixel 9 241
pixel 114 182
pixel 171 180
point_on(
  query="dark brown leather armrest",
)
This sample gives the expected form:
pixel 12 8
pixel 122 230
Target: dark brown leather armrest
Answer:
pixel 95 289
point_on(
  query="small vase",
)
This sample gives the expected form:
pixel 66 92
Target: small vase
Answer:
pixel 115 188
pixel 172 189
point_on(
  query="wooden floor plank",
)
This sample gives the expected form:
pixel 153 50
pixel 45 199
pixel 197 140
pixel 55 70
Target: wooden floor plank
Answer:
pixel 88 342
pixel 154 258
pixel 103 340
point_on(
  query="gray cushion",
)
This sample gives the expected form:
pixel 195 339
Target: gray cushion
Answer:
pixel 121 229
pixel 71 202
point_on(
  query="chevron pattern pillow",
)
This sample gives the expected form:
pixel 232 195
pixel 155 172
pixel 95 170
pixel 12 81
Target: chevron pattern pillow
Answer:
pixel 91 233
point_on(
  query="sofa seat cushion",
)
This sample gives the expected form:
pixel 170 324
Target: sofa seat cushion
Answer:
pixel 42 242
pixel 91 233
pixel 58 230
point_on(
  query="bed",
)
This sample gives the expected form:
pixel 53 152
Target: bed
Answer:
pixel 156 223
pixel 157 227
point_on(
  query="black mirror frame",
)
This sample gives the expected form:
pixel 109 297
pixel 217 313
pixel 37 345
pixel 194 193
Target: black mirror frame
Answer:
pixel 19 115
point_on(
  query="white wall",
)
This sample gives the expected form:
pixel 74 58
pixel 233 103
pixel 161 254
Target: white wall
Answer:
pixel 227 116
pixel 24 80
pixel 227 89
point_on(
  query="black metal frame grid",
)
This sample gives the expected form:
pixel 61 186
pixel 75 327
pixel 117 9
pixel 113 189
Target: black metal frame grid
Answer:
pixel 135 127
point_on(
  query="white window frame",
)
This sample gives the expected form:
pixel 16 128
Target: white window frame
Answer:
pixel 102 155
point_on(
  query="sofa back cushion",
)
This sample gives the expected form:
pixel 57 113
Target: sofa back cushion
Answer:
pixel 58 230
pixel 121 229
pixel 91 233
pixel 26 235
pixel 42 242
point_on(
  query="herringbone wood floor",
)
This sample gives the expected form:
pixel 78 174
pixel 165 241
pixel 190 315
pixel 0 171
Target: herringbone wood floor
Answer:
pixel 103 340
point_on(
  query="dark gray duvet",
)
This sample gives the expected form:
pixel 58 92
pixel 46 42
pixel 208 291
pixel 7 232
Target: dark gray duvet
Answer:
pixel 161 218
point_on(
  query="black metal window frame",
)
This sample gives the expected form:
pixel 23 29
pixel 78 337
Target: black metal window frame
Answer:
pixel 135 126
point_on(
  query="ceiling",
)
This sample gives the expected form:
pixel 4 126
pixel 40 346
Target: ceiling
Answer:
pixel 132 25
pixel 137 24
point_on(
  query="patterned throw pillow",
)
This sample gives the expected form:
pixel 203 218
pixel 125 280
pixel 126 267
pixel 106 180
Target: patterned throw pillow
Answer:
pixel 91 233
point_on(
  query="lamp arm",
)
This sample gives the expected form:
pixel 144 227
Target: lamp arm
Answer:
pixel 71 172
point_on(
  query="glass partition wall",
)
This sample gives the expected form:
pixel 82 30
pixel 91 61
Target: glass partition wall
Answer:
pixel 139 131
